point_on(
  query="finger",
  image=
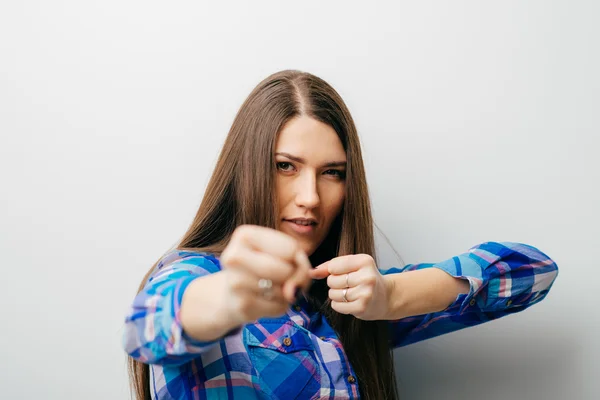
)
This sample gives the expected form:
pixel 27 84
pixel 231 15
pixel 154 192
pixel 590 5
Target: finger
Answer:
pixel 259 264
pixel 319 272
pixel 344 264
pixel 349 279
pixel 338 295
pixel 268 240
pixel 274 293
pixel 242 281
pixel 300 279
pixel 304 264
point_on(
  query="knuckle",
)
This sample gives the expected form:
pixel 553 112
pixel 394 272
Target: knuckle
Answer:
pixel 289 244
pixel 241 232
pixel 231 257
pixel 225 258
pixel 371 280
pixel 367 259
pixel 334 306
pixel 330 280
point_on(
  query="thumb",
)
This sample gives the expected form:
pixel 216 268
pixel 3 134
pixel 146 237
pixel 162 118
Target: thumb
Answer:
pixel 319 272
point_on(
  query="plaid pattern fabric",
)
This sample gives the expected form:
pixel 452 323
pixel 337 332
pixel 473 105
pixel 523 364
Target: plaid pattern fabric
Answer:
pixel 298 355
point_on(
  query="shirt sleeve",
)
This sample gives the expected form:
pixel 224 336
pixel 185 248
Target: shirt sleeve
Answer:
pixel 153 332
pixel 504 278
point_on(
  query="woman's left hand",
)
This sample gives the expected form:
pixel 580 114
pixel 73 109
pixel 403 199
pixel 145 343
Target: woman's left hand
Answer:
pixel 355 286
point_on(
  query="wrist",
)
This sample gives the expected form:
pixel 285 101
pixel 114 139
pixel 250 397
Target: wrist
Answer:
pixel 226 310
pixel 394 296
pixel 205 314
pixel 422 292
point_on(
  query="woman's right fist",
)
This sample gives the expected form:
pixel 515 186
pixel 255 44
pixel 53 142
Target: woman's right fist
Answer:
pixel 264 268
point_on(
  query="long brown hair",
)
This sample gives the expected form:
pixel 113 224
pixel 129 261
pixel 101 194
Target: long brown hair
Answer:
pixel 241 191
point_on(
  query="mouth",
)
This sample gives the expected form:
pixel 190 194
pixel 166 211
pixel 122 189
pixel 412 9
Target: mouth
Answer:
pixel 302 221
pixel 302 225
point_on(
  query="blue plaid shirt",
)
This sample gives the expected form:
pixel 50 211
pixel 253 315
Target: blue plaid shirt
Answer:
pixel 298 355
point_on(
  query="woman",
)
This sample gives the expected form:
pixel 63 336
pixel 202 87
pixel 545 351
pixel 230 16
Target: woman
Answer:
pixel 237 309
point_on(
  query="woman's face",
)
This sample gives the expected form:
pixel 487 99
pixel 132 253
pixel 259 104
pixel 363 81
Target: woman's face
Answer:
pixel 311 180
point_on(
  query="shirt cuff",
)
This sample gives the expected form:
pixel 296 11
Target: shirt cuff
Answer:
pixel 463 302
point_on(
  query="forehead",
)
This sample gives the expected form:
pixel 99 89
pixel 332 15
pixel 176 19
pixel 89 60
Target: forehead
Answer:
pixel 310 139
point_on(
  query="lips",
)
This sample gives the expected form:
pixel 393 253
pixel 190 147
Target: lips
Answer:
pixel 301 226
pixel 304 222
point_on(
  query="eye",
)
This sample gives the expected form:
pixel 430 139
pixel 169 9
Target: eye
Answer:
pixel 336 173
pixel 285 166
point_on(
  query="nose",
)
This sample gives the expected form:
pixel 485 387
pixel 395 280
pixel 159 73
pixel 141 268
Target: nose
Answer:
pixel 307 194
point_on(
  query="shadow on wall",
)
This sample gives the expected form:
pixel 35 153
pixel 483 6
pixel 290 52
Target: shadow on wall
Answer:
pixel 484 362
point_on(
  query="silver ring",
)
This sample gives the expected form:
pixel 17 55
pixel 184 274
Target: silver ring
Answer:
pixel 347 277
pixel 344 295
pixel 266 285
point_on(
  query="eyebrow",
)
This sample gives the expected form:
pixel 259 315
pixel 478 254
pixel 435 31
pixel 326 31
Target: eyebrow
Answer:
pixel 302 161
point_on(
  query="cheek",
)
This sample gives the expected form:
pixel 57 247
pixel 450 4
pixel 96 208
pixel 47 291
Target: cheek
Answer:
pixel 282 192
pixel 334 202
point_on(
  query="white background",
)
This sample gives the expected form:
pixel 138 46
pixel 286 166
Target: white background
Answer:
pixel 479 122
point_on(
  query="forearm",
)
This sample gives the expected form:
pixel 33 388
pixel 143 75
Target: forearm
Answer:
pixel 203 309
pixel 422 292
pixel 153 331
